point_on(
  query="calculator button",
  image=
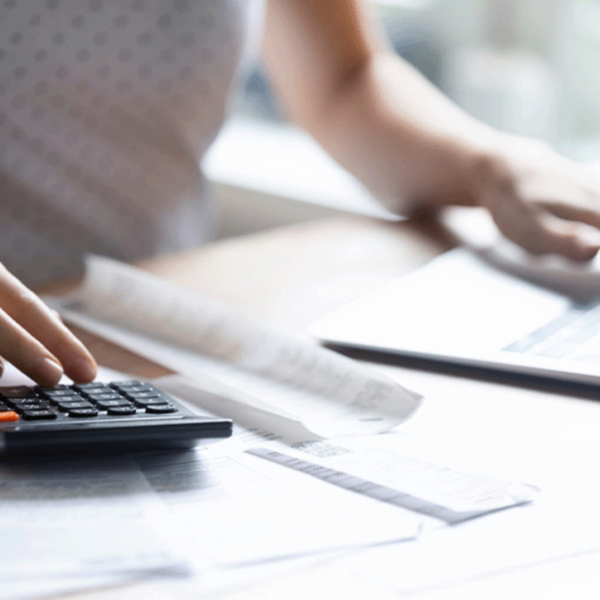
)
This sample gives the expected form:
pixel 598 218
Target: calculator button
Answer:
pixel 84 412
pixel 41 389
pixel 4 408
pixel 9 416
pixel 88 387
pixel 121 411
pixel 58 393
pixel 98 397
pixel 159 409
pixel 137 389
pixel 138 385
pixel 19 391
pixel 24 407
pixel 143 402
pixel 133 382
pixel 14 402
pixel 106 404
pixel 143 394
pixel 60 399
pixel 99 390
pixel 69 406
pixel 34 415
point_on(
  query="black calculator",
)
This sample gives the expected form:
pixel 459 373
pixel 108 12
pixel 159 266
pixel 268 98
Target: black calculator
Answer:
pixel 99 416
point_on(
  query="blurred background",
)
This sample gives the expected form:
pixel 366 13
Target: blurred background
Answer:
pixel 525 66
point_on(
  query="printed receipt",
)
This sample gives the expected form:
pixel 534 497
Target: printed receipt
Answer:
pixel 327 393
pixel 424 488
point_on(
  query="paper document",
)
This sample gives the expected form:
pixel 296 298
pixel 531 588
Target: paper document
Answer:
pixel 78 518
pixel 281 374
pixel 63 586
pixel 561 523
pixel 233 509
pixel 230 508
pixel 429 489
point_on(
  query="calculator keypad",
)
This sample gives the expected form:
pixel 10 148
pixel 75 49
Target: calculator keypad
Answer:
pixel 86 401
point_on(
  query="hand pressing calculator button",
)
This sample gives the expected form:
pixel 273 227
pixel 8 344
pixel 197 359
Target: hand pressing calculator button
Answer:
pixel 99 416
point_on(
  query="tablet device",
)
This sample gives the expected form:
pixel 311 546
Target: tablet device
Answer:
pixel 459 309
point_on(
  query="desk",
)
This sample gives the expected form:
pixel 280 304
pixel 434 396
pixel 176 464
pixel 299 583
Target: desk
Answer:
pixel 289 277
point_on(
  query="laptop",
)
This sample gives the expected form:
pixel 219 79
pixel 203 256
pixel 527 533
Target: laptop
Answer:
pixel 464 309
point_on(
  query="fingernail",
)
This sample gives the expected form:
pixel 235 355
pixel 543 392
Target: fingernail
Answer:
pixel 47 371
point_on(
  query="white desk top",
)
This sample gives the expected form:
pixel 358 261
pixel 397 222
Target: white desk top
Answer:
pixel 548 550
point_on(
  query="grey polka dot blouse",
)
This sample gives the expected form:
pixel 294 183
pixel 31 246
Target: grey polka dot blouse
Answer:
pixel 106 108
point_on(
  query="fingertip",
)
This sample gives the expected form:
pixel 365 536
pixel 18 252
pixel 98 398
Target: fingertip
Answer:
pixel 590 253
pixel 583 251
pixel 79 363
pixel 580 246
pixel 83 370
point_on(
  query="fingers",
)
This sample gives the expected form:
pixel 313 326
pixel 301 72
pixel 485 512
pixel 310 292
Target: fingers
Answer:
pixel 541 232
pixel 572 240
pixel 28 354
pixel 35 341
pixel 580 210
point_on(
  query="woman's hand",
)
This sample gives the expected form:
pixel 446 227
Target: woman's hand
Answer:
pixel 34 339
pixel 413 147
pixel 538 199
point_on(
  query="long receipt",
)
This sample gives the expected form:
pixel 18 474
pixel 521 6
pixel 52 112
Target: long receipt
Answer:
pixel 329 394
pixel 460 496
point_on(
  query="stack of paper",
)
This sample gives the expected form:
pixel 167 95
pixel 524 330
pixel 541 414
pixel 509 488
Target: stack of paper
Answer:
pixel 73 524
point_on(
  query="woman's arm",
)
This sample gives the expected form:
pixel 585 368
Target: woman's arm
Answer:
pixel 410 144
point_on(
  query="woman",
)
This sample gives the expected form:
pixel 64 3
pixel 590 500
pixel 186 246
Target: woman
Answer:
pixel 106 108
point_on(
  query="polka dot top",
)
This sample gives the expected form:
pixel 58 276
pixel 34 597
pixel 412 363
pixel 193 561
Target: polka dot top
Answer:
pixel 106 108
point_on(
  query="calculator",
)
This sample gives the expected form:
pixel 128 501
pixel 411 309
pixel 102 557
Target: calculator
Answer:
pixel 99 417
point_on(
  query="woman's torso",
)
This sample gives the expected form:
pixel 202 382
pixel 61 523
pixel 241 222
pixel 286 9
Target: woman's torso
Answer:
pixel 106 107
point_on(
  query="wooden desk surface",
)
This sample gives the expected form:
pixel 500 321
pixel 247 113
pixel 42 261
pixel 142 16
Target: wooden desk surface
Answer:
pixel 290 277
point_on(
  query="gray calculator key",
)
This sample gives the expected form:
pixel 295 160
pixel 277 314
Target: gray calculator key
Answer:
pixel 98 391
pixel 144 402
pixel 159 409
pixel 144 394
pixel 122 411
pixel 90 387
pixel 60 399
pixel 41 388
pixel 24 407
pixel 102 396
pixel 14 402
pixel 83 413
pixel 106 404
pixel 128 384
pixel 19 391
pixel 34 415
pixel 58 393
pixel 69 406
